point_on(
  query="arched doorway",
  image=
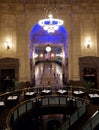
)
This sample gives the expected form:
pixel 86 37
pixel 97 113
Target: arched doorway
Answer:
pixel 39 40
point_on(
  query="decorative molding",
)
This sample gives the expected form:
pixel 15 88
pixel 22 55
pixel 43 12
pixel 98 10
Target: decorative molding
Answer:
pixel 76 6
pixel 49 1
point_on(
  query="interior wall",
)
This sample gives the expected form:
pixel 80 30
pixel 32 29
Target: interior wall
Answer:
pixel 17 20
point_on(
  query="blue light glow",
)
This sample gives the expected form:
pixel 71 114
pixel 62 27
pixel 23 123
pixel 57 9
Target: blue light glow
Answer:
pixel 40 36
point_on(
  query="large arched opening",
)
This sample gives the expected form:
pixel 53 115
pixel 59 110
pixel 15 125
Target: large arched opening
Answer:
pixel 39 40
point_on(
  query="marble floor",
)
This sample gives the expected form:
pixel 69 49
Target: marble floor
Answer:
pixel 48 73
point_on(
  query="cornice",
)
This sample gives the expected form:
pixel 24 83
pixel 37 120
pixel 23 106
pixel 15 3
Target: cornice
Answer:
pixel 61 8
pixel 50 1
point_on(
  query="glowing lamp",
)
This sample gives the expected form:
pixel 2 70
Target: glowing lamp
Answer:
pixel 50 24
pixel 48 48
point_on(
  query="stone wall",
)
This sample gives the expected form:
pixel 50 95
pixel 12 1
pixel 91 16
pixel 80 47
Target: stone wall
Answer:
pixel 81 21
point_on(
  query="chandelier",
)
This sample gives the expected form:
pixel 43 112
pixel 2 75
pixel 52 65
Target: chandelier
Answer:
pixel 50 24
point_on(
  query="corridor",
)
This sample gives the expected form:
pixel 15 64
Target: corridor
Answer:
pixel 48 74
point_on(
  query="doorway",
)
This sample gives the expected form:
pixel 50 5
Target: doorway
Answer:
pixel 9 67
pixel 89 69
pixel 89 75
pixel 8 73
pixel 7 79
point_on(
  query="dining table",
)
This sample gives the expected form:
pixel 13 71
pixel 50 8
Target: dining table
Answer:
pixel 29 95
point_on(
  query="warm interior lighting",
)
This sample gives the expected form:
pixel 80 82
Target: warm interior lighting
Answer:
pixel 35 55
pixel 52 55
pixel 8 45
pixel 50 24
pixel 60 55
pixel 41 55
pixel 88 42
pixel 88 45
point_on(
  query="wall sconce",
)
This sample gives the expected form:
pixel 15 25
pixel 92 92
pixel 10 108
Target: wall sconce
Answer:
pixel 8 45
pixel 88 45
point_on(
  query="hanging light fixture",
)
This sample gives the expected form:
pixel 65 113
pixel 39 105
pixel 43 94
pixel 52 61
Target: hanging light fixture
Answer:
pixel 50 24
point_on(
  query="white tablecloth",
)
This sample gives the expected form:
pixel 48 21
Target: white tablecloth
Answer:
pixel 2 103
pixel 12 97
pixel 29 93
